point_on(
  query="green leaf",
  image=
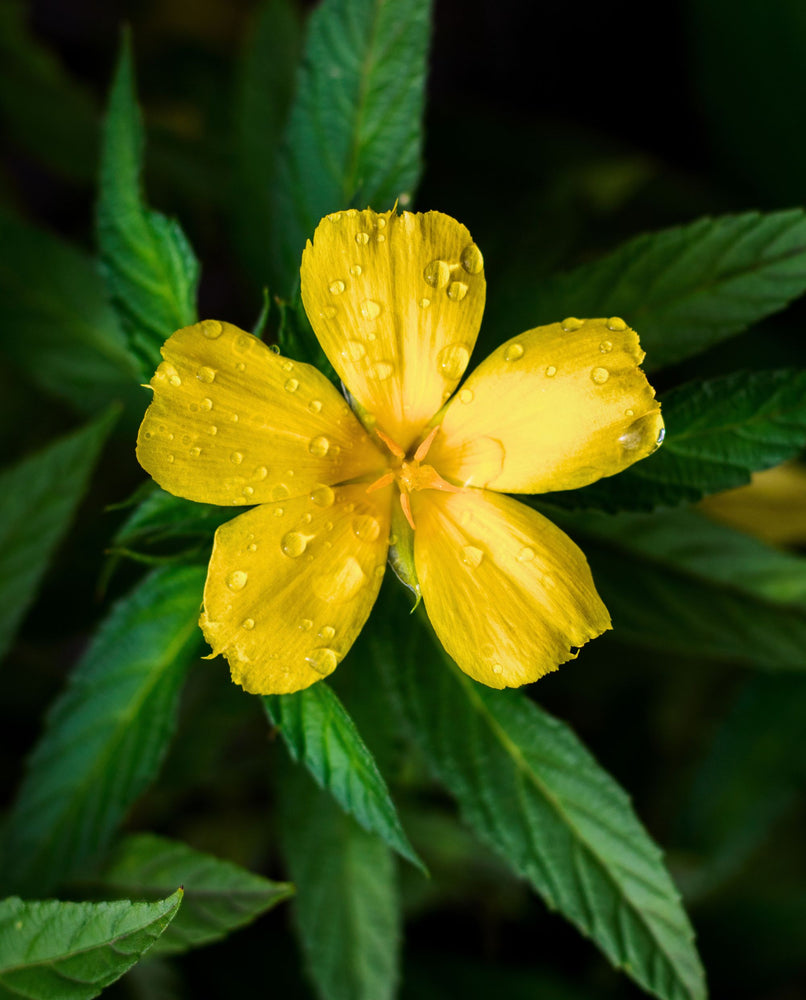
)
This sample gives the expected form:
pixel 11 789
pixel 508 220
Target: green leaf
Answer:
pixel 149 266
pixel 679 583
pixel 354 137
pixel 219 895
pixel 72 951
pixel 346 910
pixel 265 89
pixel 536 796
pixel 162 517
pixel 687 288
pixel 320 734
pixel 108 732
pixel 38 499
pixel 718 432
pixel 58 328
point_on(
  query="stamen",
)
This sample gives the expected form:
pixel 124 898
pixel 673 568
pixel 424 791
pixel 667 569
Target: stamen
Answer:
pixel 405 503
pixel 386 480
pixel 393 446
pixel 425 444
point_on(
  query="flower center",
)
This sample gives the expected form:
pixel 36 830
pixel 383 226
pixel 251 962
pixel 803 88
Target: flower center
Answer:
pixel 410 474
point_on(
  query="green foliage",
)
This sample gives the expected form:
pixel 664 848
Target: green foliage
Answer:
pixel 536 796
pixel 320 734
pixel 219 895
pixel 38 498
pixel 678 582
pixel 149 266
pixel 354 137
pixel 71 951
pixel 687 288
pixel 346 910
pixel 717 433
pixel 58 329
pixel 107 733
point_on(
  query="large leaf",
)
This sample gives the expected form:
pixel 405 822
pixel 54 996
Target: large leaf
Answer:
pixel 58 328
pixel 38 498
pixel 536 796
pixel 320 734
pixel 219 895
pixel 680 583
pixel 718 432
pixel 687 288
pixel 149 266
pixel 71 951
pixel 354 137
pixel 107 733
pixel 346 908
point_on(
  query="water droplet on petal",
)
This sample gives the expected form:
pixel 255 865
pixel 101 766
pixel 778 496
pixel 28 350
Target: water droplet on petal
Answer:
pixel 526 554
pixel 471 259
pixel 336 287
pixel 356 270
pixel 437 273
pixel 457 290
pixel 170 458
pixel 328 312
pixel 315 406
pixel 175 380
pixel 327 632
pixel 381 370
pixel 425 303
pixel 251 547
pixel 322 496
pixel 551 371
pixel 471 556
pixel 237 580
pixel 211 328
pixel 466 396
pixel 261 472
pixel 513 353
pixel 236 457
pixel 354 350
pixel 370 309
pixel 362 239
pixel 294 544
pixel 600 375
pixel 452 360
pixel 629 413
pixel 248 624
pixel 278 492
pixel 324 661
pixel 291 385
pixel 305 625
pixel 206 404
pixel 615 323
pixel 606 346
pixel 381 222
pixel 195 452
pixel 248 491
pixel 366 527
pixel 206 374
pixel 319 446
pixel 278 512
pixel 212 429
pixel 572 323
pixel 497 668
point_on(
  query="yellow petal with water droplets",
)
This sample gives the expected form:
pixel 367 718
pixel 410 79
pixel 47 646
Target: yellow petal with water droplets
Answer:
pixel 553 409
pixel 509 595
pixel 396 302
pixel 290 585
pixel 232 422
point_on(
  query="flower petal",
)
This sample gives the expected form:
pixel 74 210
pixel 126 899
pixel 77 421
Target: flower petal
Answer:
pixel 396 303
pixel 508 593
pixel 290 585
pixel 234 423
pixel 555 408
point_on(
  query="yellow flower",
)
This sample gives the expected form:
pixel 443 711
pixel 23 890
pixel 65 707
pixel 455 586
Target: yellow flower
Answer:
pixel 396 302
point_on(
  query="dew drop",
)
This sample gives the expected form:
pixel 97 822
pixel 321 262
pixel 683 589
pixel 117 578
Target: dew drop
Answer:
pixel 291 385
pixel 206 374
pixel 248 624
pixel 211 329
pixel 437 273
pixel 425 303
pixel 278 512
pixel 305 625
pixel 327 632
pixel 212 429
pixel 236 457
pixel 606 346
pixel 471 259
pixel 366 527
pixel 175 380
pixel 471 556
pixel 334 217
pixel 248 491
pixel 261 472
pixel 195 452
pixel 324 661
pixel 466 396
pixel 380 238
pixel 526 554
pixel 513 352
pixel 294 544
pixel 244 341
pixel 497 668
pixel 322 496
pixel 206 404
pixel 354 350
pixel 278 492
pixel 287 366
pixel 616 323
pixel 251 547
pixel 315 406
pixel 600 375
pixel 356 270
pixel 319 446
pixel 370 309
pixel 166 370
pixel 237 580
pixel 629 413
pixel 170 458
pixel 336 287
pixel 328 312
pixel 240 366
pixel 452 360
pixel 362 239
pixel 381 223
pixel 457 290
pixel 571 323
pixel 381 370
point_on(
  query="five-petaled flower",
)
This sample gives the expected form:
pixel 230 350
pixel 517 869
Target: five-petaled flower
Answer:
pixel 408 471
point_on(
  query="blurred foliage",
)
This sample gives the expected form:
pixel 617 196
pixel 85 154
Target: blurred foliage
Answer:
pixel 600 175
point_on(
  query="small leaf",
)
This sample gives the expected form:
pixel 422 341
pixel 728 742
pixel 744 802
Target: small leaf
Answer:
pixel 677 582
pixel 346 908
pixel 687 288
pixel 149 266
pixel 71 951
pixel 354 137
pixel 60 331
pixel 320 734
pixel 219 895
pixel 537 797
pixel 162 517
pixel 718 432
pixel 38 498
pixel 107 734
